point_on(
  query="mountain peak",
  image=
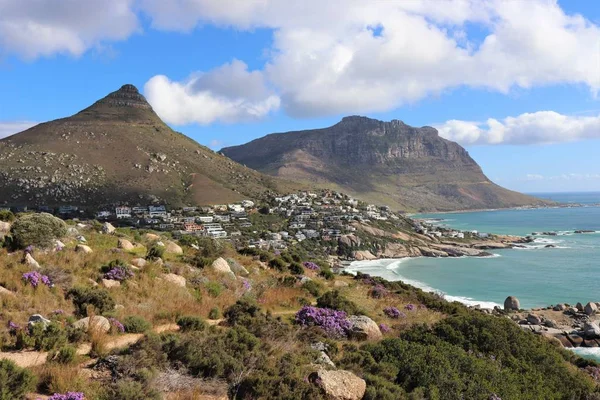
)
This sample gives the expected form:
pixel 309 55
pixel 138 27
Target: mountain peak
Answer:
pixel 127 96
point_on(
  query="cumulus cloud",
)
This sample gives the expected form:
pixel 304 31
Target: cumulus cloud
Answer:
pixel 358 57
pixel 8 128
pixel 230 93
pixel 37 28
pixel 542 127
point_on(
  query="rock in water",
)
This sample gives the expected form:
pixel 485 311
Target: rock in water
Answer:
pixel 363 328
pixel 339 385
pixel 512 304
pixel 590 308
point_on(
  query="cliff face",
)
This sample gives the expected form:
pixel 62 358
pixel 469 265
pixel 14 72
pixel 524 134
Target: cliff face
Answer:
pixel 118 150
pixel 385 162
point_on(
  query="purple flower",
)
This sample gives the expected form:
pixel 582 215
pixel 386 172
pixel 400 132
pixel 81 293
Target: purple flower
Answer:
pixel 58 312
pixel 34 278
pixel 118 273
pixel 384 328
pixel 117 325
pixel 311 265
pixel 393 312
pixel 409 307
pixel 334 323
pixel 67 396
pixel 379 292
pixel 29 249
pixel 12 326
pixel 247 285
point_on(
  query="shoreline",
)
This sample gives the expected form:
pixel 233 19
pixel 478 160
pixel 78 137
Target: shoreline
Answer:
pixel 516 208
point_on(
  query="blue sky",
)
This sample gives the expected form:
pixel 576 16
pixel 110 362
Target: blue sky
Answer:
pixel 515 82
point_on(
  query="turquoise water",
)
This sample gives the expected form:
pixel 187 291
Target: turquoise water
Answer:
pixel 538 276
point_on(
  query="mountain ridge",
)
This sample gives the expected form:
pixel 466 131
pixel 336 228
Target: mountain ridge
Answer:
pixel 118 151
pixel 413 169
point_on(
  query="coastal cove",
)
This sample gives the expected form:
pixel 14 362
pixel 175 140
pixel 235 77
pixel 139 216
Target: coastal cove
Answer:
pixel 537 275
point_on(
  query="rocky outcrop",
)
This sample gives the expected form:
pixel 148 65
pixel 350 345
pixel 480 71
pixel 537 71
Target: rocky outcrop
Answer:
pixel 590 308
pixel 339 385
pixel 220 265
pixel 363 328
pixel 512 304
pixel 108 228
pixel 139 262
pixel 31 262
pixel 110 283
pixel 363 255
pixel 350 240
pixel 237 268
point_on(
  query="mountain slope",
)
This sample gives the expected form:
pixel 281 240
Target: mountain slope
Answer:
pixel 118 150
pixel 383 162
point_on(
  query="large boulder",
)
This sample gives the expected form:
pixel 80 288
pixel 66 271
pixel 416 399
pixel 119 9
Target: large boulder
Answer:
pixel 139 262
pixel 363 328
pixel 110 283
pixel 151 237
pixel 339 385
pixel 222 266
pixel 38 319
pixel 363 255
pixel 591 330
pixel 125 244
pixel 30 261
pixel 108 228
pixel 96 322
pixel 173 248
pixel 350 240
pixel 512 304
pixel 590 308
pixel 579 307
pixel 237 268
pixel 5 292
pixel 175 279
pixel 534 319
pixel 82 248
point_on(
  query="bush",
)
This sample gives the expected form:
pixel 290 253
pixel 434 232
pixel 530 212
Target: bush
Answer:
pixel 327 274
pixel 38 230
pixel 136 324
pixel 117 270
pixel 313 288
pixel 47 338
pixel 65 355
pixel 335 300
pixel 241 311
pixel 214 313
pixel 213 288
pixel 6 216
pixel 133 390
pixel 191 323
pixel 155 252
pixel 278 264
pixel 84 297
pixel 296 268
pixel 15 382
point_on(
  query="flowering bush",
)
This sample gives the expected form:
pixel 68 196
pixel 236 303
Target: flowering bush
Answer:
pixel 34 278
pixel 384 328
pixel 311 265
pixel 393 312
pixel 247 285
pixel 409 307
pixel 116 325
pixel 378 292
pixel 67 396
pixel 12 326
pixel 334 323
pixel 118 273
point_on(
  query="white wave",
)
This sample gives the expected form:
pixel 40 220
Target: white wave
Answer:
pixel 587 352
pixel 387 269
pixel 546 241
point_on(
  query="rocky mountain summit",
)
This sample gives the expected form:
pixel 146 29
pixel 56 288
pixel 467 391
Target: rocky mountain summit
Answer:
pixel 381 162
pixel 118 150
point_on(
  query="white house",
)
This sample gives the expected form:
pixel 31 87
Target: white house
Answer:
pixel 123 212
pixel 157 211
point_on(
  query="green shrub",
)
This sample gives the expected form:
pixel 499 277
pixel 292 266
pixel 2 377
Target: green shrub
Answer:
pixel 335 300
pixel 136 324
pixel 15 382
pixel 326 273
pixel 65 355
pixel 132 390
pixel 191 323
pixel 38 230
pixel 6 216
pixel 296 268
pixel 213 288
pixel 84 297
pixel 243 309
pixel 214 313
pixel 313 288
pixel 278 264
pixel 47 338
pixel 155 252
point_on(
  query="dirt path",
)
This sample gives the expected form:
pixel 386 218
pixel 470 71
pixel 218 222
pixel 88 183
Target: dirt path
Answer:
pixel 28 358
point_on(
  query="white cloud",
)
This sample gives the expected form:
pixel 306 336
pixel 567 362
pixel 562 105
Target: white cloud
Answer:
pixel 332 61
pixel 35 28
pixel 230 93
pixel 542 127
pixel 8 128
pixel 562 177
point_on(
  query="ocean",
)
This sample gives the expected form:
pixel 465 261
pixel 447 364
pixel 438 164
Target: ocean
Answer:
pixel 536 275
